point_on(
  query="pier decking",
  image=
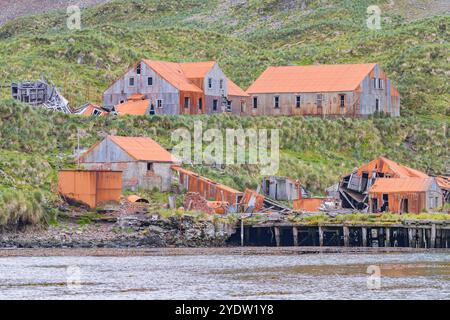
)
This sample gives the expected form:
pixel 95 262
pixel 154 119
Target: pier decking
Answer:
pixel 423 234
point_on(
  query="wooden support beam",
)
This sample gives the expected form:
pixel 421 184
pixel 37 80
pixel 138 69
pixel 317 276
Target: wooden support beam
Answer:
pixel 320 236
pixel 295 235
pixel 387 241
pixel 411 237
pixel 433 236
pixel 364 236
pixel 346 236
pixel 277 236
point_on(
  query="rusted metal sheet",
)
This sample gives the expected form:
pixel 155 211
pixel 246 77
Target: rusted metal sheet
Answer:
pixel 308 204
pixel 90 187
pixel 253 199
pixel 207 188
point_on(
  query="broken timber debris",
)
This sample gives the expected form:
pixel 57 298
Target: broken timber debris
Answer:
pixel 40 93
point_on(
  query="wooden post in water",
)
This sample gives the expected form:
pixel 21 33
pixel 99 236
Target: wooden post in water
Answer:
pixel 410 238
pixel 364 236
pixel 388 237
pixel 242 231
pixel 320 236
pixel 424 238
pixel 346 236
pixel 295 235
pixel 433 236
pixel 277 236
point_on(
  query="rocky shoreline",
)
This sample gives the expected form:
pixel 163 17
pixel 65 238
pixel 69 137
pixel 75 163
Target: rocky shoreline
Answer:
pixel 128 231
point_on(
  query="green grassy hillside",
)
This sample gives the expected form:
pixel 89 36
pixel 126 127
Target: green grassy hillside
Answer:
pixel 244 37
pixel 34 144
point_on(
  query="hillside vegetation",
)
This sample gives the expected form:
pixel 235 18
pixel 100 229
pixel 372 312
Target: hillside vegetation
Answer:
pixel 34 144
pixel 244 37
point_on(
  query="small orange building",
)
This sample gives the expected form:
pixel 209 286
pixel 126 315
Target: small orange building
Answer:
pixel 90 187
pixel 405 195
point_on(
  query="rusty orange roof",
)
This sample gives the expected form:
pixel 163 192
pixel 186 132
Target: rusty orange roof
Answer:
pixel 136 96
pixel 143 148
pixel 235 90
pixel 89 109
pixel 314 78
pixel 388 185
pixel 173 73
pixel 133 107
pixel 195 70
pixel 382 164
pixel 443 182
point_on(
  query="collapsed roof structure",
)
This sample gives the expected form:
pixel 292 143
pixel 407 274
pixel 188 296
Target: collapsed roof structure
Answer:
pixel 40 93
pixel 383 184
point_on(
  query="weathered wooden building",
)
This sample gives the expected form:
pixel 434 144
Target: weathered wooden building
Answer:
pixel 144 163
pixel 405 195
pixel 383 185
pixel 282 188
pixel 351 90
pixel 173 88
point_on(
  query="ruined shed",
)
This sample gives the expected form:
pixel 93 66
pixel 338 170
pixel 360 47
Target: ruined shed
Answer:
pixel 91 188
pixel 282 188
pixel 405 195
pixel 354 188
pixel 207 188
pixel 144 163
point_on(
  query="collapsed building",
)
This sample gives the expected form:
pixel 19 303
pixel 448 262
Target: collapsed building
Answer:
pixel 444 183
pixel 383 185
pixel 40 93
pixel 282 188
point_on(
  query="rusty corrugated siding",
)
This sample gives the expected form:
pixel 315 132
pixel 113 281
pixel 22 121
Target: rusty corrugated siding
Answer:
pixel 90 187
pixel 308 204
pixel 207 188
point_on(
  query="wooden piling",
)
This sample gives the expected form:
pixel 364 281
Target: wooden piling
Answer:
pixel 295 235
pixel 387 237
pixel 364 236
pixel 433 236
pixel 411 238
pixel 320 236
pixel 346 236
pixel 277 236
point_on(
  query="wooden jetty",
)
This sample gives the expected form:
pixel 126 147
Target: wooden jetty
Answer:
pixel 412 234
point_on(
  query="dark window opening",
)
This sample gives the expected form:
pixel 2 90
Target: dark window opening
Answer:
pixel 221 84
pixel 187 102
pixel 385 205
pixel 159 103
pixel 377 105
pixel 138 69
pixel 150 166
pixel 215 104
pixel 131 82
pixel 229 105
pixel 149 81
pixel 342 100
pixel 276 102
pixel 152 110
pixel 209 83
pixel 298 101
pixel 96 112
pixel 255 102
pixel 319 100
pixel 200 103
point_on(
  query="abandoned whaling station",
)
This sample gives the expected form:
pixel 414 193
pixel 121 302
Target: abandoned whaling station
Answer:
pixel 151 87
pixel 280 211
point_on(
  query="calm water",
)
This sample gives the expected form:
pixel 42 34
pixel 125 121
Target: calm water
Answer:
pixel 314 276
